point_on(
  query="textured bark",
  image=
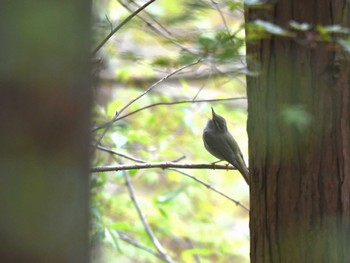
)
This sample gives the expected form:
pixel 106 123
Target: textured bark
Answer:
pixel 44 131
pixel 300 182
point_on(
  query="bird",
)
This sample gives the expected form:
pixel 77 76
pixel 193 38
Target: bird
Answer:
pixel 220 143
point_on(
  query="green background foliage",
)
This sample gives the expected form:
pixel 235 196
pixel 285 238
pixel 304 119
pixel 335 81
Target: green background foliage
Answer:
pixel 191 221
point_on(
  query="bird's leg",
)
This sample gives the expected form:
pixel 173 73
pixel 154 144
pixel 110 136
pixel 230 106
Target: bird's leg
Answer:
pixel 213 164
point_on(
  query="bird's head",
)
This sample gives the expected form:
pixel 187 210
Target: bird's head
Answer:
pixel 219 122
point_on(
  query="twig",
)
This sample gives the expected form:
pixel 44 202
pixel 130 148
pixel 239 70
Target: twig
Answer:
pixel 172 166
pixel 110 23
pixel 211 188
pixel 115 118
pixel 131 157
pixel 222 18
pixel 120 26
pixel 168 36
pixel 129 240
pixel 120 154
pixel 149 231
pixel 157 83
pixel 162 165
pixel 162 104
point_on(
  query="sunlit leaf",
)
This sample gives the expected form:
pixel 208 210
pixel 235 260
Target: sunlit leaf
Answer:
pixel 336 29
pixel 327 32
pixel 299 26
pixel 168 197
pixel 163 212
pixel 234 5
pixel 118 139
pixel 345 43
pixel 123 73
pixel 271 28
pixel 111 237
pixel 120 226
pixel 253 3
pixel 187 255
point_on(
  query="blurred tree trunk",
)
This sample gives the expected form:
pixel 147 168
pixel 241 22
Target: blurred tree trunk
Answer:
pixel 299 138
pixel 44 131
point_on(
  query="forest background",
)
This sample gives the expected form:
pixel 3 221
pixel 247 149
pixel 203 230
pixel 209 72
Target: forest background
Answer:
pixel 165 69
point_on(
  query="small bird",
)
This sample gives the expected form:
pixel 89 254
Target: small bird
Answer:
pixel 220 143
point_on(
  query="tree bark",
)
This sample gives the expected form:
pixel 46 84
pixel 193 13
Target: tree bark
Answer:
pixel 44 131
pixel 299 130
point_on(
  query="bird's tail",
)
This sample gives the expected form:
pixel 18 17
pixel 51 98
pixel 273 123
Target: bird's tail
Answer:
pixel 242 168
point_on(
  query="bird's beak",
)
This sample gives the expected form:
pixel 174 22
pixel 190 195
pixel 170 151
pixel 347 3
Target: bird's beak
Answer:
pixel 212 112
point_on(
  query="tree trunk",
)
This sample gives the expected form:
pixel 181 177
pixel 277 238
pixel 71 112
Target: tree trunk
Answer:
pixel 299 130
pixel 44 131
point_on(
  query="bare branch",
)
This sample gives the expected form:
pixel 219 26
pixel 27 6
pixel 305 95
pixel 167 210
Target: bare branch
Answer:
pixel 157 83
pixel 120 154
pixel 130 241
pixel 211 188
pixel 115 118
pixel 162 104
pixel 149 231
pixel 104 41
pixel 162 165
pixel 173 166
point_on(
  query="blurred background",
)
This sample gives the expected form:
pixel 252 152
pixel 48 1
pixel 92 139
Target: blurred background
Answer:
pixel 192 222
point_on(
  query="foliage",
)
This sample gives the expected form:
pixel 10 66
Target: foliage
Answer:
pixel 188 219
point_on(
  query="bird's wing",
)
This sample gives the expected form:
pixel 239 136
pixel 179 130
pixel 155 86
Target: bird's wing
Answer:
pixel 211 142
pixel 238 160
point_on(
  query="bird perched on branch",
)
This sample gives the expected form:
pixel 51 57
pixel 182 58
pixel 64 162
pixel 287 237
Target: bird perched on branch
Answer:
pixel 220 143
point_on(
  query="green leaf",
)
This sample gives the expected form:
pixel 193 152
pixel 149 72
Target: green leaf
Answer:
pixel 187 255
pixel 337 29
pixel 123 74
pixel 163 212
pixel 169 196
pixel 111 237
pixel 207 42
pixel 120 226
pixel 327 31
pixel 162 61
pixel 233 6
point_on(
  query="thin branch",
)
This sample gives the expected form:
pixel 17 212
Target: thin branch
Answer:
pixel 157 83
pixel 162 165
pixel 120 26
pixel 149 15
pixel 162 104
pixel 204 83
pixel 131 158
pixel 120 154
pixel 130 241
pixel 110 23
pixel 168 36
pixel 149 231
pixel 115 118
pixel 211 188
pixel 222 18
